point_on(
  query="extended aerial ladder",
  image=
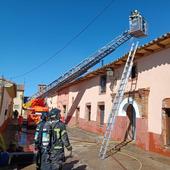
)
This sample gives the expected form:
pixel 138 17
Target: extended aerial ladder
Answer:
pixel 120 92
pixel 137 29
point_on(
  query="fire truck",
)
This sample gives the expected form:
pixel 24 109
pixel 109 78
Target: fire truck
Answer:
pixel 34 109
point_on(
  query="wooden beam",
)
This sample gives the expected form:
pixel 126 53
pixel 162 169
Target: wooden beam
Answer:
pixel 139 54
pixel 95 74
pixel 124 60
pixel 160 45
pixel 117 64
pixel 149 50
pixel 90 75
pixel 100 72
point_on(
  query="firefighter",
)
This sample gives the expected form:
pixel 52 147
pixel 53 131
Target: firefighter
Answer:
pixel 59 139
pixel 41 141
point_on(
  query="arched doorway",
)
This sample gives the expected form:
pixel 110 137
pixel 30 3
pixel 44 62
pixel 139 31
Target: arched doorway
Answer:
pixel 129 108
pixel 131 123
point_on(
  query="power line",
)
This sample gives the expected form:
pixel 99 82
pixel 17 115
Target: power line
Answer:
pixel 67 43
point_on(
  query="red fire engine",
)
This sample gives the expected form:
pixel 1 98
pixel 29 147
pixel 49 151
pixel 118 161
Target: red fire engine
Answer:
pixel 34 109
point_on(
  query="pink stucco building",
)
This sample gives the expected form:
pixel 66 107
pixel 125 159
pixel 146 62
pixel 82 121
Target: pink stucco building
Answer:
pixel 144 113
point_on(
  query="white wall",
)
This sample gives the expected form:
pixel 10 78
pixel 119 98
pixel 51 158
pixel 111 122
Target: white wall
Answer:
pixel 7 100
pixel 52 102
pixel 91 95
pixel 18 101
pixel 153 73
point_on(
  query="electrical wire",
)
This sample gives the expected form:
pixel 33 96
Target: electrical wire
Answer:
pixel 67 43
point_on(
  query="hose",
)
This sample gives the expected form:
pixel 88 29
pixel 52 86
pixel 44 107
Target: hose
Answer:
pixel 122 153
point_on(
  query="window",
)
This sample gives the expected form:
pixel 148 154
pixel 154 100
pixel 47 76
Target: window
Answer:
pixel 166 127
pixel 88 111
pixel 72 100
pixel 103 84
pixel 16 106
pixel 77 115
pixel 167 112
pixel 101 112
pixel 64 109
pixel 6 111
pixel 134 72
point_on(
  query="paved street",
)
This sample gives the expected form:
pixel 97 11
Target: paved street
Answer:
pixel 86 147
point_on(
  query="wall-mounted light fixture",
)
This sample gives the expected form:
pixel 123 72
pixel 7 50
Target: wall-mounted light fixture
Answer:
pixel 110 72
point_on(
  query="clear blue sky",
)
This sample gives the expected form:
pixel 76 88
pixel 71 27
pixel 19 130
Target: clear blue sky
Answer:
pixel 31 31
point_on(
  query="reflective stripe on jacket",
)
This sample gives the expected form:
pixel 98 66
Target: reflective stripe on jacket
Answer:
pixel 59 136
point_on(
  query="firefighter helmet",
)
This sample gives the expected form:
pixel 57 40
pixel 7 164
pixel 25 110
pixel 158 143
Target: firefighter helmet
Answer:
pixel 55 113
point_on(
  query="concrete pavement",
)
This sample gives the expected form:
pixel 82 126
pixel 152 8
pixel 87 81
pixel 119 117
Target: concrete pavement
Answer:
pixel 86 147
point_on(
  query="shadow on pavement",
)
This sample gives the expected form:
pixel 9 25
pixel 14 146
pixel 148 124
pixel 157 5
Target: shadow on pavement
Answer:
pixel 70 165
pixel 117 148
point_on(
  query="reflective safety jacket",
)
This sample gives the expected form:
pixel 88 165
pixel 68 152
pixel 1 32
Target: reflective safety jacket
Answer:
pixel 41 137
pixel 46 135
pixel 59 137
